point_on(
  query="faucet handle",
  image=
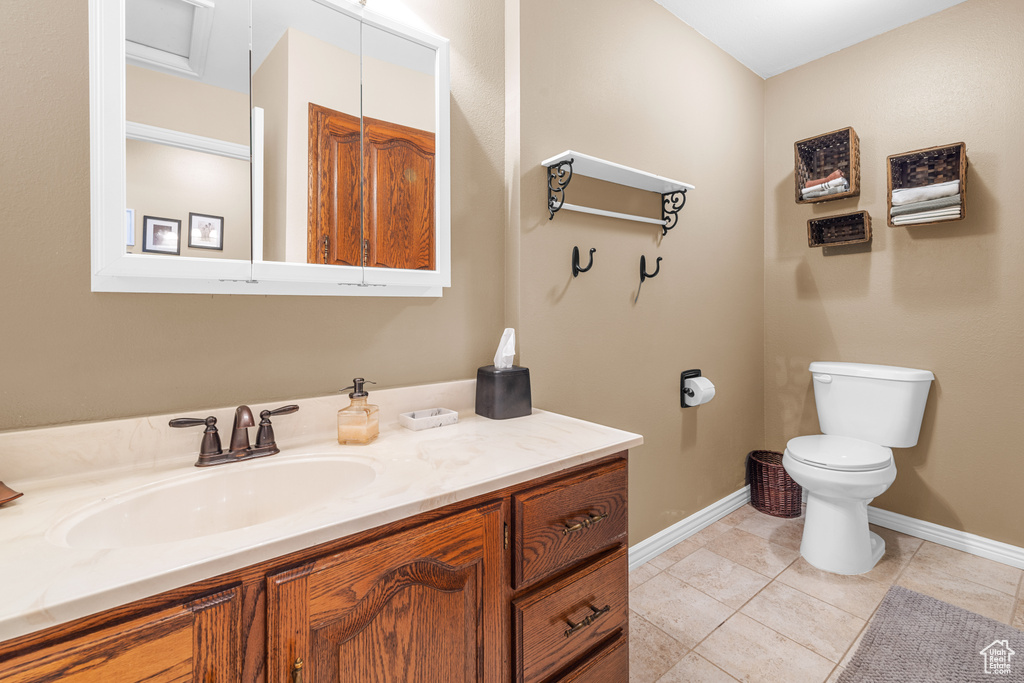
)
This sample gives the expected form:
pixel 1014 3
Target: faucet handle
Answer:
pixel 190 421
pixel 265 434
pixel 283 410
pixel 211 439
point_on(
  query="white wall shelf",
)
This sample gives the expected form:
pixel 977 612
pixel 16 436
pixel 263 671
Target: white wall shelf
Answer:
pixel 562 167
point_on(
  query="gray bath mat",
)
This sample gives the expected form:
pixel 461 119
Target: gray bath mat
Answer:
pixel 915 638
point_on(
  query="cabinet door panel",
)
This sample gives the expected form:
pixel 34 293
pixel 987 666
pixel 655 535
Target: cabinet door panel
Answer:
pixel 335 233
pixel 420 605
pixel 417 623
pixel 193 643
pixel 399 202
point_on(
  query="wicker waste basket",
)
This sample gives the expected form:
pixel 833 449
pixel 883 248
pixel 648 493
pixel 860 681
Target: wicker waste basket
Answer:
pixel 772 490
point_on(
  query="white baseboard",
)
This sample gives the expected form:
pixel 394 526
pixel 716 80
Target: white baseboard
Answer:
pixel 961 540
pixel 649 548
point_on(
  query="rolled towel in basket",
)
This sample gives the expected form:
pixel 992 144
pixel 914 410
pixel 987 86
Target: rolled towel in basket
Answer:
pixel 927 205
pixel 832 190
pixel 834 175
pixel 908 195
pixel 822 187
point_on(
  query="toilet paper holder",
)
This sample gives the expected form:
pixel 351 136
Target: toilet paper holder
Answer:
pixel 683 390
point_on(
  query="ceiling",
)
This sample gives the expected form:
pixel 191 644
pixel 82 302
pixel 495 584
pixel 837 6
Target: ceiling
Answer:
pixel 772 36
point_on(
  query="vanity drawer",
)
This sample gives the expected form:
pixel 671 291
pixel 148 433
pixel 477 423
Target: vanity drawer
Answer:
pixel 566 521
pixel 609 665
pixel 559 623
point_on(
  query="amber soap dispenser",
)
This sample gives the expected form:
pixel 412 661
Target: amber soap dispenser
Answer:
pixel 359 422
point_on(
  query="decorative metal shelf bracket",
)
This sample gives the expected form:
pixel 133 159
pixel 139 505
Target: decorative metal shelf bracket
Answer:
pixel 671 204
pixel 558 180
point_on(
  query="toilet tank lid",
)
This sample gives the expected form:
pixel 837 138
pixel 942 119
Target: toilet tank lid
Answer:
pixel 873 371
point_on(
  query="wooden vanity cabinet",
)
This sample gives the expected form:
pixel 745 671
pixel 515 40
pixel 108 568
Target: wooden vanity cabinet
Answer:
pixel 570 611
pixel 420 605
pixel 525 584
pixel 194 642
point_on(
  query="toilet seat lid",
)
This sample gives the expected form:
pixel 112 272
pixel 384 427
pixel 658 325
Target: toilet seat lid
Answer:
pixel 839 453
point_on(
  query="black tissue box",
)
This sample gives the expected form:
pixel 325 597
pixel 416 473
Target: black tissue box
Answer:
pixel 502 393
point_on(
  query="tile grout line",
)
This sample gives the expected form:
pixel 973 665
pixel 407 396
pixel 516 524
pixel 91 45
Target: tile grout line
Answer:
pixel 737 611
pixel 1018 599
pixel 962 580
pixel 867 622
pixel 658 628
pixel 693 651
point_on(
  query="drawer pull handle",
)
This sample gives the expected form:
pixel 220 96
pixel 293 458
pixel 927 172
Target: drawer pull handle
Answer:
pixel 587 621
pixel 585 524
pixel 297 671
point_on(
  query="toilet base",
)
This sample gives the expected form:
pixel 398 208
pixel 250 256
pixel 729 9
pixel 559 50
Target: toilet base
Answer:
pixel 836 536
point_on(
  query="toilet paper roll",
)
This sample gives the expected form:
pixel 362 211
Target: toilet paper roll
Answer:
pixel 702 388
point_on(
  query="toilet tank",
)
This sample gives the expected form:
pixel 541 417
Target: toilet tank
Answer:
pixel 882 404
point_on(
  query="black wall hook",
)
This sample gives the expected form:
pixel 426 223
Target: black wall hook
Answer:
pixel 644 275
pixel 576 269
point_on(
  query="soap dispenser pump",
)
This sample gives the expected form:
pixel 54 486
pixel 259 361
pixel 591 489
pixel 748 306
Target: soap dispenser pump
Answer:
pixel 359 422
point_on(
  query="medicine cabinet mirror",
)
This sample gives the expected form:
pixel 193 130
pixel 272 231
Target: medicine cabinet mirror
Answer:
pixel 267 147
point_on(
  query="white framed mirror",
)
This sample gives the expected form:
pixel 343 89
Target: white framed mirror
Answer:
pixel 181 203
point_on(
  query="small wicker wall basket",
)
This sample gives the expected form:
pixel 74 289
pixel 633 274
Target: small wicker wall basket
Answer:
pixel 772 490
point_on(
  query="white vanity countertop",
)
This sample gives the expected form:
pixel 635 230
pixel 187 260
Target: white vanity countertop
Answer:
pixel 43 583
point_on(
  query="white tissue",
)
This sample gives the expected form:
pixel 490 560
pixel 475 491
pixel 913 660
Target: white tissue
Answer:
pixel 506 349
pixel 702 388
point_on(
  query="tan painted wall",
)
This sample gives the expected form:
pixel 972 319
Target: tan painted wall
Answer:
pixel 169 182
pixel 302 69
pixel 182 104
pixel 948 298
pixel 659 97
pixel 398 94
pixel 72 355
pixel 326 75
pixel 270 93
pixel 626 81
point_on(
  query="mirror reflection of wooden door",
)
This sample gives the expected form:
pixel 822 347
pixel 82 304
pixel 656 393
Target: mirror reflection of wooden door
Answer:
pixel 335 233
pixel 399 200
pixel 393 227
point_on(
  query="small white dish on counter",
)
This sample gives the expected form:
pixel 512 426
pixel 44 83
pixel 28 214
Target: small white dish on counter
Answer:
pixel 428 419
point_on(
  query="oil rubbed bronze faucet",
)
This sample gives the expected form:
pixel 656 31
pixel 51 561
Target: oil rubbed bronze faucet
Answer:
pixel 210 452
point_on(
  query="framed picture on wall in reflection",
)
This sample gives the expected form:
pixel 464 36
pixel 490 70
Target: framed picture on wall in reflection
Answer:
pixel 161 235
pixel 205 232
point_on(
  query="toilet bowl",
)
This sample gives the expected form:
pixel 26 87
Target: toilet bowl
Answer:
pixel 842 476
pixel 863 410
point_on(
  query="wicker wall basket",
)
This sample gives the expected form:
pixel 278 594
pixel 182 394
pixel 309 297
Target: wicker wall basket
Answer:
pixel 819 156
pixel 929 166
pixel 834 231
pixel 772 490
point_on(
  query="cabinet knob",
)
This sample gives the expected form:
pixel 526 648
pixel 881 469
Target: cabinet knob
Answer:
pixel 297 671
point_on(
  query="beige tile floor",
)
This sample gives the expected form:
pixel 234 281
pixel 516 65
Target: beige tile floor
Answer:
pixel 736 602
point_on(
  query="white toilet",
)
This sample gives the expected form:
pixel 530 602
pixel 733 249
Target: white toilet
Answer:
pixel 863 411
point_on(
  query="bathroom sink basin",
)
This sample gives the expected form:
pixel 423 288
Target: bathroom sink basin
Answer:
pixel 208 502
